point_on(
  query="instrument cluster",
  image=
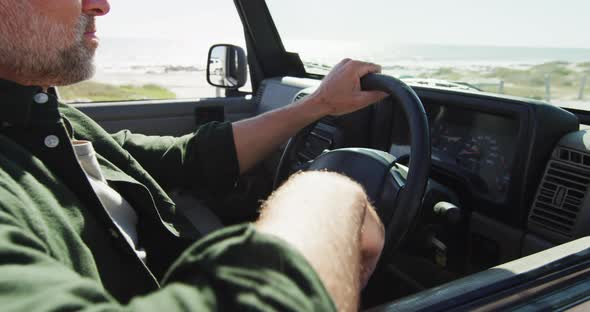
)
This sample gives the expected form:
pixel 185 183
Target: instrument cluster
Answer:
pixel 480 146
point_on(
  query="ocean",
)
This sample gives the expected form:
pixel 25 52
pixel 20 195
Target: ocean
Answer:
pixel 148 55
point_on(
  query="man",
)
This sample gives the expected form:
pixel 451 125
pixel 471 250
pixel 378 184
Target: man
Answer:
pixel 84 225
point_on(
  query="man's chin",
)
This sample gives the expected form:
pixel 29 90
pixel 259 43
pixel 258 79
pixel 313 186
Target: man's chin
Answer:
pixel 73 77
pixel 77 65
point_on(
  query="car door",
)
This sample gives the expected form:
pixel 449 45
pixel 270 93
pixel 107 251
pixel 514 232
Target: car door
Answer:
pixel 173 117
pixel 556 279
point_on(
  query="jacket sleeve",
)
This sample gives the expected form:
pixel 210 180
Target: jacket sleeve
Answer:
pixel 237 269
pixel 206 159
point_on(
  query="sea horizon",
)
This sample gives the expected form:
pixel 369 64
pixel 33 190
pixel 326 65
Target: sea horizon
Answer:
pixel 156 54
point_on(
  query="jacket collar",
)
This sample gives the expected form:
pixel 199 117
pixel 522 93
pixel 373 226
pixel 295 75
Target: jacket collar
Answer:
pixel 17 102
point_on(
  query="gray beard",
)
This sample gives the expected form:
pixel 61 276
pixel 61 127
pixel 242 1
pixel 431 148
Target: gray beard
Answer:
pixel 35 58
pixel 73 65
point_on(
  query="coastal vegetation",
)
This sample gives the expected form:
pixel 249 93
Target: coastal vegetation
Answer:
pixel 91 91
pixel 559 81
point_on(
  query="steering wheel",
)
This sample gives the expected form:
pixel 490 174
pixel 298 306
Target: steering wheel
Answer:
pixel 395 190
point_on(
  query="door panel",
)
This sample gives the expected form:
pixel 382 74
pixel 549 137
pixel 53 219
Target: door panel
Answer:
pixel 518 279
pixel 173 118
pixel 170 117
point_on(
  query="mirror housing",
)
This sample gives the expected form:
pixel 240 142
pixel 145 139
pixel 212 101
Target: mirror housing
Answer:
pixel 227 66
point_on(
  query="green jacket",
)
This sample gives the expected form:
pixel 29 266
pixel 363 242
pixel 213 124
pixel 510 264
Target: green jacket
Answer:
pixel 60 250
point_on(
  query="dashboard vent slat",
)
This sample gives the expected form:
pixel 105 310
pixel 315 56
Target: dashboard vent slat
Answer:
pixel 546 199
pixel 573 157
pixel 548 223
pixel 299 96
pixel 561 193
pixel 564 215
pixel 547 193
pixel 576 194
pixel 329 120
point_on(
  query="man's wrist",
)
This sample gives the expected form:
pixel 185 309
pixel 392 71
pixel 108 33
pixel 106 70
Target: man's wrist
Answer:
pixel 313 107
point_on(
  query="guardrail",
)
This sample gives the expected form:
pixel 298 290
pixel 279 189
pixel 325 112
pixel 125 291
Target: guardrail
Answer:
pixel 500 87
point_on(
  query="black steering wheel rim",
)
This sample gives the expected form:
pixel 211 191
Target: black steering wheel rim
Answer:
pixel 409 201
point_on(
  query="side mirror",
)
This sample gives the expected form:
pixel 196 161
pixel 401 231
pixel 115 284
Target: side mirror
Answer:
pixel 227 66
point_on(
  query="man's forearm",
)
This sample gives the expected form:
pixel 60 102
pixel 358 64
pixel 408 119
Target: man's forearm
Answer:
pixel 320 214
pixel 339 93
pixel 257 137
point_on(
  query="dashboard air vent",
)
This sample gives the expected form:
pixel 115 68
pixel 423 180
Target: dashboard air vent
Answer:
pixel 329 120
pixel 561 194
pixel 299 96
pixel 573 157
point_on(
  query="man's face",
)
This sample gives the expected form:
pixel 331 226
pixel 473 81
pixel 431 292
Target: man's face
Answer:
pixel 49 42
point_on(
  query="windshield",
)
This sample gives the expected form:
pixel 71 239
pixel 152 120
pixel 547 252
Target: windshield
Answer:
pixel 533 49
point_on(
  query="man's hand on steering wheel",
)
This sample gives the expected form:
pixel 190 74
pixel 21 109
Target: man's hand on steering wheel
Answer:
pixel 340 92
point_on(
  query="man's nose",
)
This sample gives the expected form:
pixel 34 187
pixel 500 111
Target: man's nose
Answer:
pixel 96 7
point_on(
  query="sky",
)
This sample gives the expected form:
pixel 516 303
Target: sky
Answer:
pixel 215 19
pixel 532 23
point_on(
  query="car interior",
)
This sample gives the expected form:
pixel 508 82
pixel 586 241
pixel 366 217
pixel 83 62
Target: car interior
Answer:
pixel 505 193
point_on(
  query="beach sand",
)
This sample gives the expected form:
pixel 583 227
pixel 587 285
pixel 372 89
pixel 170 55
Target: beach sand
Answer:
pixel 185 84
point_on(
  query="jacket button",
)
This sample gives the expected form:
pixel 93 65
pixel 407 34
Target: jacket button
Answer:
pixel 51 141
pixel 41 98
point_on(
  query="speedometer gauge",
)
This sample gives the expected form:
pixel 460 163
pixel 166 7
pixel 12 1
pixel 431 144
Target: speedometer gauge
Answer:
pixel 478 152
pixel 444 142
pixel 482 155
pixel 475 149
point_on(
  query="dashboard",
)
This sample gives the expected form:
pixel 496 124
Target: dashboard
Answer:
pixel 490 150
pixel 515 171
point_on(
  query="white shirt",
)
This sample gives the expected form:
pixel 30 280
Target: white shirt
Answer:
pixel 116 206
